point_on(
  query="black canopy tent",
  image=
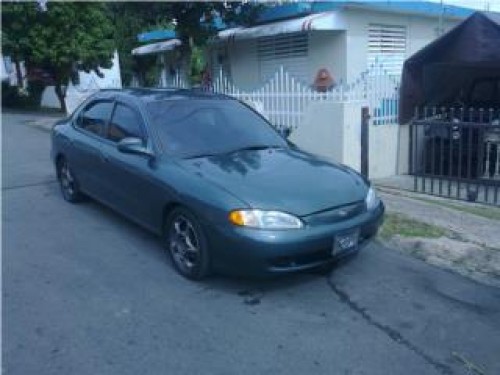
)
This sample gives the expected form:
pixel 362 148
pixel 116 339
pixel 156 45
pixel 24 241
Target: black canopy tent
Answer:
pixel 441 70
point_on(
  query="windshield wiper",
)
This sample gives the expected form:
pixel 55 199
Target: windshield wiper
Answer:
pixel 254 148
pixel 244 148
pixel 204 155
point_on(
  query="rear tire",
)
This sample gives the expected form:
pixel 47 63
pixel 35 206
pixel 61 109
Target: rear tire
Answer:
pixel 67 182
pixel 187 244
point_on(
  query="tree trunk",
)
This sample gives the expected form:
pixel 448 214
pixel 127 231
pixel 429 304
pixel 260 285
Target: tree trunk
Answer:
pixel 61 95
pixel 19 74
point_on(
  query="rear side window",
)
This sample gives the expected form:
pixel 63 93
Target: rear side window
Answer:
pixel 126 122
pixel 94 117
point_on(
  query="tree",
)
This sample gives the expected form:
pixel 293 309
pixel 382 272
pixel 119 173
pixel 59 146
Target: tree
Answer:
pixel 132 18
pixel 15 34
pixel 67 37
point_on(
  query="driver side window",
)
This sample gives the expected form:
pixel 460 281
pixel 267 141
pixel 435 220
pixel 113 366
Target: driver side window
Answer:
pixel 125 123
pixel 94 117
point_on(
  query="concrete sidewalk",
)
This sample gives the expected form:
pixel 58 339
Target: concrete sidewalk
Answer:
pixel 485 194
pixel 41 121
pixel 445 213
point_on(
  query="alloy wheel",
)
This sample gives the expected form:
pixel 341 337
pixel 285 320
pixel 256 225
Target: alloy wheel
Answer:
pixel 184 244
pixel 67 181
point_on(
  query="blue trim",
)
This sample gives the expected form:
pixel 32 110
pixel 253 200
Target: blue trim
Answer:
pixel 300 9
pixel 425 8
pixel 284 11
pixel 156 35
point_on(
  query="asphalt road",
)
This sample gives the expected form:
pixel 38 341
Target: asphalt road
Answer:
pixel 87 292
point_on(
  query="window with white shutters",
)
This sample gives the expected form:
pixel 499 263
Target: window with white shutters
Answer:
pixel 287 50
pixel 387 47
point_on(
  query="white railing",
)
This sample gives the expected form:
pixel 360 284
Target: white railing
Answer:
pixel 284 99
pixel 381 90
pixel 177 81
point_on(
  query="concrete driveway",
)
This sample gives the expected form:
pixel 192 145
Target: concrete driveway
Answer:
pixel 87 292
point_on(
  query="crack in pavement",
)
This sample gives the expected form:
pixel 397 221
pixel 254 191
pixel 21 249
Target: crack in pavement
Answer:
pixel 393 334
pixel 44 183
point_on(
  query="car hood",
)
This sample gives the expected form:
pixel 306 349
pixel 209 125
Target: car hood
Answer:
pixel 281 179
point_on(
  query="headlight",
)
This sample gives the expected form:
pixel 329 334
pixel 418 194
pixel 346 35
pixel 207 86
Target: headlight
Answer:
pixel 372 200
pixel 264 219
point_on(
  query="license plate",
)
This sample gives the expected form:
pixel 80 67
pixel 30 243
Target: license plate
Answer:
pixel 345 242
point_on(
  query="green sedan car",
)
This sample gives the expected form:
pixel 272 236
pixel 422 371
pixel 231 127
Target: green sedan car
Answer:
pixel 224 190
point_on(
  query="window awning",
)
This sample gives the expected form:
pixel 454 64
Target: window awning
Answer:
pixel 156 35
pixel 318 21
pixel 158 47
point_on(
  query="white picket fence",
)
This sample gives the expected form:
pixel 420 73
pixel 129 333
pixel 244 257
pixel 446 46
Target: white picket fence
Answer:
pixel 177 81
pixel 381 90
pixel 284 99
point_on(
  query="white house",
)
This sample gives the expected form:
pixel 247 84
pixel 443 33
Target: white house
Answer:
pixel 8 72
pixel 345 37
pixel 88 84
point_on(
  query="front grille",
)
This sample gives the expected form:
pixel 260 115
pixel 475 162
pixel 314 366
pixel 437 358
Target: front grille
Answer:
pixel 301 259
pixel 336 214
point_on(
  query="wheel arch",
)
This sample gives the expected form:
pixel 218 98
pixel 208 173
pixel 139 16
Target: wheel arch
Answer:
pixel 167 209
pixel 58 159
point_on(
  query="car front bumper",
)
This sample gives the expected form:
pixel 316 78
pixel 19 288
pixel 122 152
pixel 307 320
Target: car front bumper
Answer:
pixel 250 251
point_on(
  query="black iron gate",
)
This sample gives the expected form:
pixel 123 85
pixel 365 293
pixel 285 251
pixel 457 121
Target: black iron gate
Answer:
pixel 455 153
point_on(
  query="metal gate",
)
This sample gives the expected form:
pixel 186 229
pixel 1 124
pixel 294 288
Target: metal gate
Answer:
pixel 455 153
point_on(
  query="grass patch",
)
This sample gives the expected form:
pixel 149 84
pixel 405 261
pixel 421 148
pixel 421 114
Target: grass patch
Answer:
pixel 486 212
pixel 407 227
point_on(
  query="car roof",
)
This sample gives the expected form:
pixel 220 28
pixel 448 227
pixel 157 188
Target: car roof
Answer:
pixel 147 95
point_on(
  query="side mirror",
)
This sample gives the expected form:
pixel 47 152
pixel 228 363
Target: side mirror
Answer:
pixel 132 145
pixel 285 132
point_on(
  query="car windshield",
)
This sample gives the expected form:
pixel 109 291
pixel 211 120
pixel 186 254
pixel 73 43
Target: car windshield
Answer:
pixel 203 127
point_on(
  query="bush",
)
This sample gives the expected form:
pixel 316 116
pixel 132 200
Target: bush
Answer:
pixel 35 91
pixel 13 97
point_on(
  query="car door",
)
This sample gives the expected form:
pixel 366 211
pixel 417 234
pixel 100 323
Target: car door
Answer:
pixel 131 184
pixel 85 156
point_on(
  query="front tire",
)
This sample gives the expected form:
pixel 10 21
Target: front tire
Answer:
pixel 67 182
pixel 187 244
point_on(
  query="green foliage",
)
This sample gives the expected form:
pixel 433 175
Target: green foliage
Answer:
pixel 15 33
pixel 197 64
pixel 70 34
pixel 14 97
pixel 406 227
pixel 65 37
pixel 132 18
pixel 83 35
